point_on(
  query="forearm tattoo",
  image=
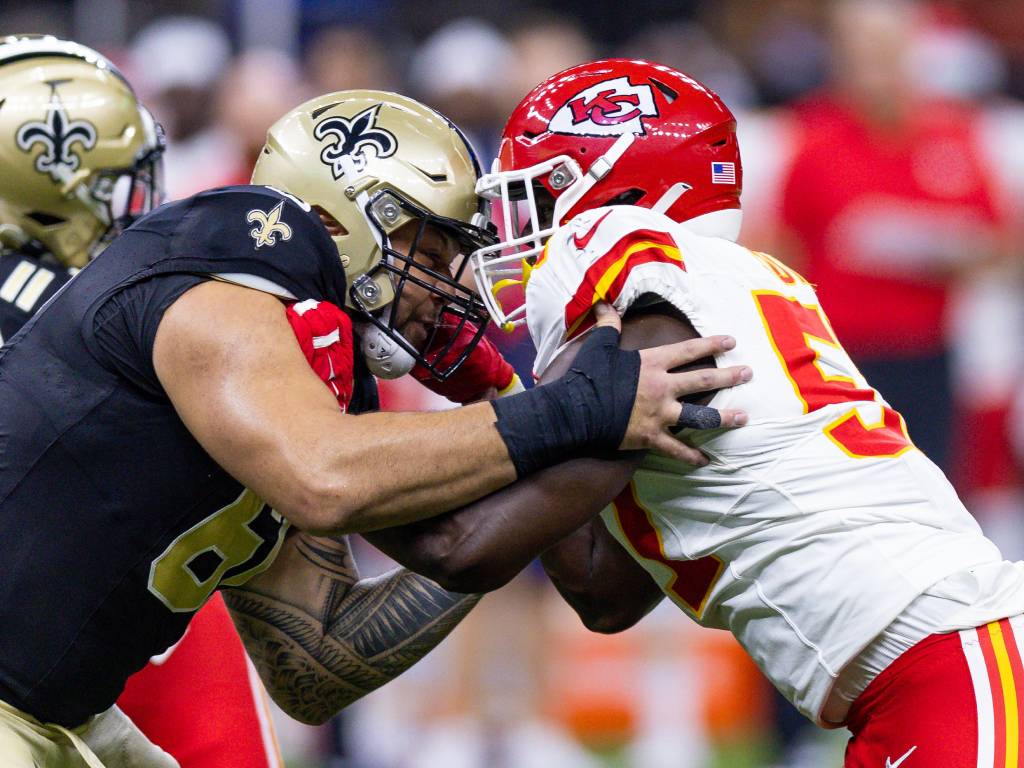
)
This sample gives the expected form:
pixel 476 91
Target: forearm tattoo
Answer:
pixel 316 659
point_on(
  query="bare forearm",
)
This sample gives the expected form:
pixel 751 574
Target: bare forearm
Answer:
pixel 481 546
pixel 390 469
pixel 228 360
pixel 319 650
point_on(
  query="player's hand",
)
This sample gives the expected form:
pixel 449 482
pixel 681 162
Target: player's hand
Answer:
pixel 656 408
pixel 485 374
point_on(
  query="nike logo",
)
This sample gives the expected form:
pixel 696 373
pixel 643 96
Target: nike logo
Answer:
pixel 581 242
pixel 890 764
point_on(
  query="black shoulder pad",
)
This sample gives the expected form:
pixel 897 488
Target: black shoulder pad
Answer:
pixel 248 230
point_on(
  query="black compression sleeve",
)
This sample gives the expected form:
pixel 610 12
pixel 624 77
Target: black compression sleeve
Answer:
pixel 588 409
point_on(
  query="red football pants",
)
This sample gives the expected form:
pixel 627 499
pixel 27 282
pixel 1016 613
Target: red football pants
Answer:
pixel 202 701
pixel 951 701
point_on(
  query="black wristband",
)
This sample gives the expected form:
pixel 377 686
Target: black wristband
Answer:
pixel 586 410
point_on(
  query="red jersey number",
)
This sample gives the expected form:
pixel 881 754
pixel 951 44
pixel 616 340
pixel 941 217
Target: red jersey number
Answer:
pixel 692 580
pixel 821 375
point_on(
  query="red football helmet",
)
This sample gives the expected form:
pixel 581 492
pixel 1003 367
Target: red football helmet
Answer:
pixel 611 132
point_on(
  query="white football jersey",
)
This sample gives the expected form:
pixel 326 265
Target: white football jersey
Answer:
pixel 817 523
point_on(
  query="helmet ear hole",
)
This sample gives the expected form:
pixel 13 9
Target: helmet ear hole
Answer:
pixel 334 227
pixel 669 93
pixel 629 197
pixel 44 219
pixel 545 204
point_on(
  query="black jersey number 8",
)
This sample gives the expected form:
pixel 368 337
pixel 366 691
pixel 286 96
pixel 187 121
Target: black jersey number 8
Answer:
pixel 225 548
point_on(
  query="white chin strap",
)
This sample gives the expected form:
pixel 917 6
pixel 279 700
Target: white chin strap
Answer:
pixel 597 171
pixel 385 357
pixel 725 224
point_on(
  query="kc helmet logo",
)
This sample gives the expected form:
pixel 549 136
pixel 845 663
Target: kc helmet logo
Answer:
pixel 610 108
pixel 58 135
pixel 352 138
pixel 268 226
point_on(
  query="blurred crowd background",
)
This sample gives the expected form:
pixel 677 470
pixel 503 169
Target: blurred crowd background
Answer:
pixel 883 145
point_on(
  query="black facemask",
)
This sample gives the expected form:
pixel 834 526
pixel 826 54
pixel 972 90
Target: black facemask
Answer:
pixel 460 309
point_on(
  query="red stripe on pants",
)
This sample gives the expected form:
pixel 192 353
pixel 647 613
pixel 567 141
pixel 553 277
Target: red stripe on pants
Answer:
pixel 998 699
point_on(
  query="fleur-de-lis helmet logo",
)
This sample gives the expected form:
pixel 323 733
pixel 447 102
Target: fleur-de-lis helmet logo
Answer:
pixel 58 135
pixel 353 137
pixel 268 226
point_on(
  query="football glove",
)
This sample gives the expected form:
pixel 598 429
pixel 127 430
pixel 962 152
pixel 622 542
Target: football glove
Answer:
pixel 324 333
pixel 483 375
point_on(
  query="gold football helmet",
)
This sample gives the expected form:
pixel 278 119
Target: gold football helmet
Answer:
pixel 370 162
pixel 80 156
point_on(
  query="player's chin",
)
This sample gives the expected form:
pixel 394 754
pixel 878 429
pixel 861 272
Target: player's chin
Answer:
pixel 415 333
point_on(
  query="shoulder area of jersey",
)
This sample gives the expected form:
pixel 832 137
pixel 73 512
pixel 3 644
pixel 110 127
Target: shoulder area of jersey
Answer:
pixel 599 231
pixel 266 215
pixel 596 229
pixel 592 258
pixel 257 195
pixel 604 236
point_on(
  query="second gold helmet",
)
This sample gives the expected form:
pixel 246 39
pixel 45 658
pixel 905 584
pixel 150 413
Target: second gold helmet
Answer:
pixel 81 157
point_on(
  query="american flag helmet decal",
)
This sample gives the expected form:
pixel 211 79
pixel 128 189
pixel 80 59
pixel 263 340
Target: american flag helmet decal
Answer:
pixel 723 173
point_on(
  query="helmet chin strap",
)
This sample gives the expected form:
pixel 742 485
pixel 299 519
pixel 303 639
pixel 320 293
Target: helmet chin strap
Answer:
pixel 597 171
pixel 385 357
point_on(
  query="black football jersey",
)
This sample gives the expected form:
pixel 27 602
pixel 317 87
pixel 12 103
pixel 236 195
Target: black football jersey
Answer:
pixel 26 283
pixel 115 525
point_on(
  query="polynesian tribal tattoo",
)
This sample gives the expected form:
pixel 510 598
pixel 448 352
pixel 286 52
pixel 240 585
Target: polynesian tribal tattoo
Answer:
pixel 352 637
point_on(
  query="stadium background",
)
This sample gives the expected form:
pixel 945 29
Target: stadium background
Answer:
pixel 913 109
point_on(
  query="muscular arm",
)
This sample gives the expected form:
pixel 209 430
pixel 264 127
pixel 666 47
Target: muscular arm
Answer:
pixel 482 545
pixel 322 638
pixel 227 358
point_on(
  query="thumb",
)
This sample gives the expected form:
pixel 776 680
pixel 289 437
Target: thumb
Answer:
pixel 606 316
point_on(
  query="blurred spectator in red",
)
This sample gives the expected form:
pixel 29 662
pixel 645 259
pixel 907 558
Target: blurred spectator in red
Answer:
pixel 890 203
pixel 176 63
pixel 951 60
pixel 343 57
